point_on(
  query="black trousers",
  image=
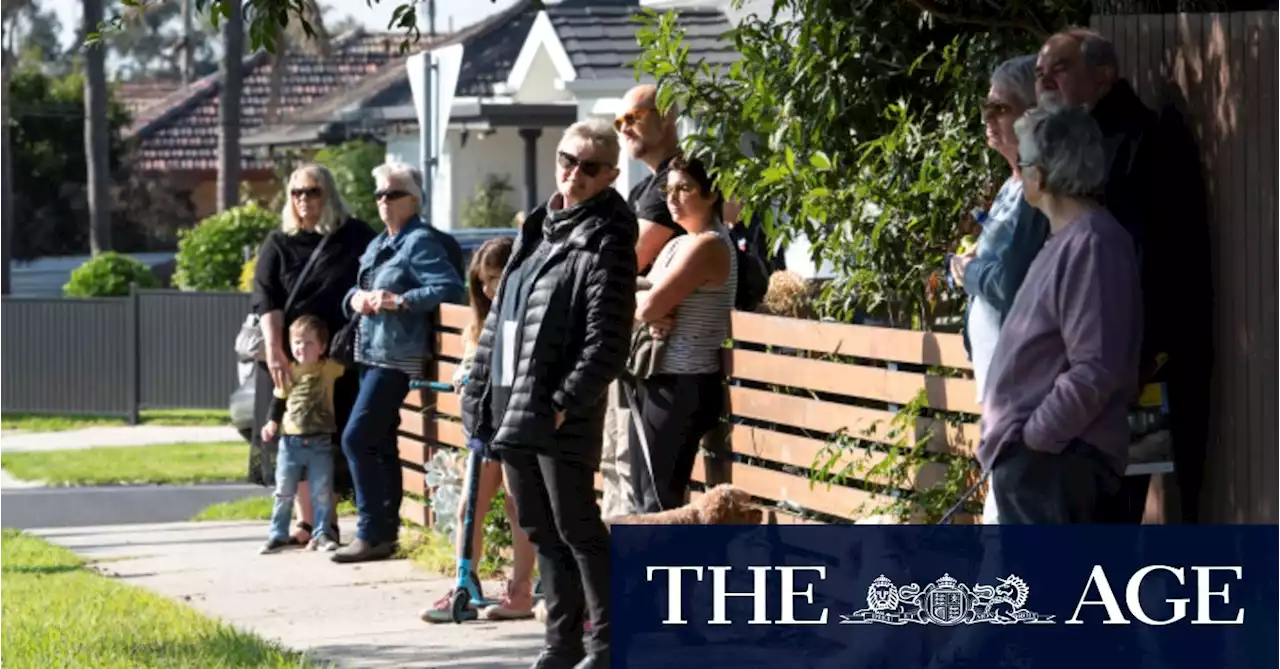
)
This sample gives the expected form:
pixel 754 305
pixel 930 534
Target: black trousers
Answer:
pixel 676 411
pixel 556 505
pixel 1075 486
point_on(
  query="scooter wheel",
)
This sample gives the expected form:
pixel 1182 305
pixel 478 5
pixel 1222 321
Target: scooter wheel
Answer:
pixel 460 606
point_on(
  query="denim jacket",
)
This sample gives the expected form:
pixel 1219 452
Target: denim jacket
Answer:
pixel 419 271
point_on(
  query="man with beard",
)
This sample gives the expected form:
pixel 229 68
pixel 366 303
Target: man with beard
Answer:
pixel 1156 191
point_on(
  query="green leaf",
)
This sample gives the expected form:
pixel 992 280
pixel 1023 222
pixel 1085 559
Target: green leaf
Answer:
pixel 819 160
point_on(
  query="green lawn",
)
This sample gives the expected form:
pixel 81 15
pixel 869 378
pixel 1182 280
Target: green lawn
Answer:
pixel 56 613
pixel 58 423
pixel 166 463
pixel 257 508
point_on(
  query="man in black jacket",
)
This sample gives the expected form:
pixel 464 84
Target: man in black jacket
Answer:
pixel 556 337
pixel 1155 189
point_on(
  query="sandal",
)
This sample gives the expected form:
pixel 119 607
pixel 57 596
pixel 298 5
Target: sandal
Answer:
pixel 305 527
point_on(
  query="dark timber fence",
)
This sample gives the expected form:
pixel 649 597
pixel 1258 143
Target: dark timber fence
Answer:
pixel 155 349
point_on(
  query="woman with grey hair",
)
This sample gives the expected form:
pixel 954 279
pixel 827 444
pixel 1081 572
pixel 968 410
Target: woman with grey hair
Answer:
pixel 405 274
pixel 1055 431
pixel 1012 234
pixel 315 224
pixel 557 335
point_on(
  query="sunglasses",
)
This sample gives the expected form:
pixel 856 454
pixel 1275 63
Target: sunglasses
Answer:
pixel 389 195
pixel 996 108
pixel 631 118
pixel 679 188
pixel 567 161
pixel 299 193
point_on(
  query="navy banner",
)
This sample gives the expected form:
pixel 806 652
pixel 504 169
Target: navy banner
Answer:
pixel 915 597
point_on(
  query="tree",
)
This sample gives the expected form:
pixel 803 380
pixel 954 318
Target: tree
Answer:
pixel 96 135
pixel 8 27
pixel 156 44
pixel 229 109
pixel 489 208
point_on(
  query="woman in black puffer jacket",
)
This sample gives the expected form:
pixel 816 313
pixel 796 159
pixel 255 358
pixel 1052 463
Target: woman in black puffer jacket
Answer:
pixel 556 337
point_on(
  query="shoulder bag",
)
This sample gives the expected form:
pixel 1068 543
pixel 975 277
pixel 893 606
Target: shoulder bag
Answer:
pixel 250 344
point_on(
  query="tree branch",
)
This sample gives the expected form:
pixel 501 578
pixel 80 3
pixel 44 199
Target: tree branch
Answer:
pixel 1029 24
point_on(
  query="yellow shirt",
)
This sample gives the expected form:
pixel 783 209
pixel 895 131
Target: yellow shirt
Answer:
pixel 308 406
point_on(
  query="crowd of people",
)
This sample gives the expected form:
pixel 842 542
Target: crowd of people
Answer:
pixel 596 334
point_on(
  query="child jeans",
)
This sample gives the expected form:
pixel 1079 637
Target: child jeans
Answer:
pixel 314 455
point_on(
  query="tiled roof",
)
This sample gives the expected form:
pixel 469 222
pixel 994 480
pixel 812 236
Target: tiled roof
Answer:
pixel 600 37
pixel 181 132
pixel 137 96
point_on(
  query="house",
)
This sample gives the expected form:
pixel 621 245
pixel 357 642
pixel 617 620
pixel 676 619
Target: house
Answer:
pixel 526 74
pixel 178 134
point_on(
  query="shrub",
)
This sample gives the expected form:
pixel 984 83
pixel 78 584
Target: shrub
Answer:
pixel 246 274
pixel 352 165
pixel 108 275
pixel 489 208
pixel 211 255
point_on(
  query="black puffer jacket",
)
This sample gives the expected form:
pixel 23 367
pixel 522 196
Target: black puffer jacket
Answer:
pixel 573 337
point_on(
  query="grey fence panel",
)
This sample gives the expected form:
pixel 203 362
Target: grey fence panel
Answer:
pixel 66 356
pixel 187 348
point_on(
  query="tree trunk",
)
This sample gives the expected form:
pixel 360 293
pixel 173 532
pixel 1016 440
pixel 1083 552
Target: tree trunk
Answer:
pixel 6 189
pixel 95 135
pixel 229 109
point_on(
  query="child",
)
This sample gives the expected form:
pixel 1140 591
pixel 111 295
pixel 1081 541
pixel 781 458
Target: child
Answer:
pixel 517 602
pixel 302 414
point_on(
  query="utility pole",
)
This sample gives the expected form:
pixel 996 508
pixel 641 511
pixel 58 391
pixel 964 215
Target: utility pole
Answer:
pixel 426 137
pixel 186 63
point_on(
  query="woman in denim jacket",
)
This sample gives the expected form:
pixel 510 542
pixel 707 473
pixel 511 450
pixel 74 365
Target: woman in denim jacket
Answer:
pixel 405 274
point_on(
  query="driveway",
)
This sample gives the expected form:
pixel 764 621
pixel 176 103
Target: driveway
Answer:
pixel 26 508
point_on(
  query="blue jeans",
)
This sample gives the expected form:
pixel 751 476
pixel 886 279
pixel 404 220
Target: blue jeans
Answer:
pixel 369 442
pixel 314 454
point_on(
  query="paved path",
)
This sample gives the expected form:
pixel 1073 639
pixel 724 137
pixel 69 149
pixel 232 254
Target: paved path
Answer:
pixel 353 615
pixel 28 507
pixel 92 437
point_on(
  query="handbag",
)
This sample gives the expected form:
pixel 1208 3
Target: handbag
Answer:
pixel 342 347
pixel 646 353
pixel 250 343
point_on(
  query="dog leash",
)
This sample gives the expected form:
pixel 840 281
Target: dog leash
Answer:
pixel 644 438
pixel 946 517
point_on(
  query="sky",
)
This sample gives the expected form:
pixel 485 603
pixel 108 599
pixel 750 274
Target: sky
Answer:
pixel 461 12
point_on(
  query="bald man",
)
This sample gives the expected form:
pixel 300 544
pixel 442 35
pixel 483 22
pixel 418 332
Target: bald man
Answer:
pixel 1155 189
pixel 650 136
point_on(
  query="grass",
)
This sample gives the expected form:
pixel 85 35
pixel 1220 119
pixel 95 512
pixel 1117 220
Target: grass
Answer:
pixel 57 613
pixel 118 465
pixel 32 422
pixel 257 508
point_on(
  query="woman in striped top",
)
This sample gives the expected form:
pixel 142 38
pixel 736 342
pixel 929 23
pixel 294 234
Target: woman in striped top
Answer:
pixel 691 293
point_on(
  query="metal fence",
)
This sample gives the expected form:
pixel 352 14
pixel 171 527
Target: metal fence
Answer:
pixel 156 349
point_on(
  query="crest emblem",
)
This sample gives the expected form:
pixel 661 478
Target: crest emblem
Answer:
pixel 947 602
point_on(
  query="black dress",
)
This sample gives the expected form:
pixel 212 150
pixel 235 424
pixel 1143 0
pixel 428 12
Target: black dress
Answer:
pixel 280 261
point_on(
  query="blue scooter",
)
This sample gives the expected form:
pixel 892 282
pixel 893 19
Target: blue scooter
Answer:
pixel 468 594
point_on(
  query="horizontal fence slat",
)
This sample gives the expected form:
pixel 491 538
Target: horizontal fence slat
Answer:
pixel 455 316
pixel 862 341
pixel 412 450
pixel 412 422
pixel 854 380
pixel 449 345
pixel 779 486
pixel 414 512
pixel 413 481
pixel 829 418
pixel 809 453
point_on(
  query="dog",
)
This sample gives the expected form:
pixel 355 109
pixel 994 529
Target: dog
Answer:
pixel 721 505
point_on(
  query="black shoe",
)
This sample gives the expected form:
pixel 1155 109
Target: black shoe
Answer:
pixel 363 551
pixel 555 658
pixel 274 546
pixel 594 661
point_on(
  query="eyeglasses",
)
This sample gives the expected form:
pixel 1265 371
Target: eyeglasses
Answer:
pixel 389 195
pixel 567 161
pixel 680 188
pixel 632 117
pixel 299 193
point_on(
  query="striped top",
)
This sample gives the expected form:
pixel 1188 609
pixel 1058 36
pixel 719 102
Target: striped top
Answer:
pixel 412 366
pixel 702 317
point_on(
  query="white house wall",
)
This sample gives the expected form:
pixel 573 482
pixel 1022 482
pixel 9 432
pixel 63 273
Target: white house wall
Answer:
pixel 463 168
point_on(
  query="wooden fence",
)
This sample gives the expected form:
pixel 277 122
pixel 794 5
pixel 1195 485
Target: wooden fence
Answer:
pixel 794 386
pixel 1219 70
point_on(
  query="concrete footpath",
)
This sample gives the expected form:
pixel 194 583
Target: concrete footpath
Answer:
pixel 363 615
pixel 95 437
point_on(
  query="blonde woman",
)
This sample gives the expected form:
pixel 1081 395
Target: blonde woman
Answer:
pixel 314 222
